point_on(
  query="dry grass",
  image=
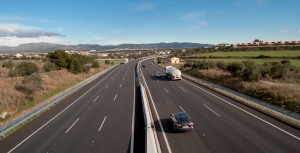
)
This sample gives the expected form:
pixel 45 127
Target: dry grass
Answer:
pixel 14 102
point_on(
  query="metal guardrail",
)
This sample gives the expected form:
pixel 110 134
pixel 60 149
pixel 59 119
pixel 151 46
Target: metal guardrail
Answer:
pixel 28 116
pixel 152 144
pixel 263 106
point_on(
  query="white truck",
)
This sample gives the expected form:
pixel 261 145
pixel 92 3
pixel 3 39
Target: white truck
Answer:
pixel 126 61
pixel 173 73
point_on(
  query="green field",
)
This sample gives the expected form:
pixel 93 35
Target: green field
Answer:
pixel 254 53
pixel 295 63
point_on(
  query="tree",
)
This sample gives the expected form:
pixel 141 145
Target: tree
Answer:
pixel 74 66
pixel 26 68
pixel 59 58
pixel 8 64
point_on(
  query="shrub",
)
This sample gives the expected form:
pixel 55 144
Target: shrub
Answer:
pixel 30 84
pixel 106 62
pixel 251 71
pixel 86 69
pixel 236 69
pixel 8 64
pixel 95 64
pixel 221 65
pixel 49 66
pixel 26 68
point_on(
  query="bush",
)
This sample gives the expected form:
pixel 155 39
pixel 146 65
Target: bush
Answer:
pixel 30 84
pixel 107 62
pixel 95 64
pixel 251 72
pixel 86 69
pixel 221 65
pixel 236 69
pixel 8 64
pixel 26 68
pixel 49 66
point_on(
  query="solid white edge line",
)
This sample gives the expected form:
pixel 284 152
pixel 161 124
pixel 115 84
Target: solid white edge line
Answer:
pixel 181 108
pixel 211 110
pixel 72 125
pixel 162 129
pixel 133 115
pixel 102 123
pixel 96 98
pixel 56 115
pixel 246 112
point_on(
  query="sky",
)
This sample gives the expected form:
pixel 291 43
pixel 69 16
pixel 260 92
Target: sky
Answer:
pixel 113 22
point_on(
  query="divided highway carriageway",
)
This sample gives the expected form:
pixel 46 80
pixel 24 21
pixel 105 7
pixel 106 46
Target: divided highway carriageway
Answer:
pixel 106 116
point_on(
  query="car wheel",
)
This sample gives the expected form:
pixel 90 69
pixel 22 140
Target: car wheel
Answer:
pixel 174 128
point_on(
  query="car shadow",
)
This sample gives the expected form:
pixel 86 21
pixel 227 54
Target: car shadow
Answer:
pixel 167 126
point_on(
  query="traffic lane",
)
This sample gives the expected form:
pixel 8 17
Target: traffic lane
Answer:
pixel 85 132
pixel 192 140
pixel 229 102
pixel 181 141
pixel 263 127
pixel 115 135
pixel 13 140
pixel 252 132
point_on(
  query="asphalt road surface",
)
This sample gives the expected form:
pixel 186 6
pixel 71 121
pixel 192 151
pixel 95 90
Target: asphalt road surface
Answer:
pixel 97 118
pixel 221 124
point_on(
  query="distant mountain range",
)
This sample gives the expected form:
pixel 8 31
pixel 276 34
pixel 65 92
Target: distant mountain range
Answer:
pixel 46 47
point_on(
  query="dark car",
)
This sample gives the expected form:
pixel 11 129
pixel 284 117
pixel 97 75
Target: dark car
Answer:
pixel 144 65
pixel 181 121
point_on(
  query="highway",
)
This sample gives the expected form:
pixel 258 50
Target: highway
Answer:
pixel 97 118
pixel 221 124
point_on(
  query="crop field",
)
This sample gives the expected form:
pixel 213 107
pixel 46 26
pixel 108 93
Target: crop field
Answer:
pixel 254 53
pixel 295 63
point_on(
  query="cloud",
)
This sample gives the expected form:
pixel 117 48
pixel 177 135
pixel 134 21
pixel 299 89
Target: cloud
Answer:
pixel 17 18
pixel 193 16
pixel 21 31
pixel 116 32
pixel 60 29
pixel 284 31
pixel 299 31
pixel 15 41
pixel 145 6
pixel 199 25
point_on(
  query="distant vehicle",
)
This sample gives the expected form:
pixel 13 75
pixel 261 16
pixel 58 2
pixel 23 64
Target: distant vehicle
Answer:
pixel 181 121
pixel 126 61
pixel 173 73
pixel 144 65
pixel 158 75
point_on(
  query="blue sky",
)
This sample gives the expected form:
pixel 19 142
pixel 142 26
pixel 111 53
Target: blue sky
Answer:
pixel 112 22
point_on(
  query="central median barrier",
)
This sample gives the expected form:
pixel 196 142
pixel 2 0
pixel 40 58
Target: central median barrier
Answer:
pixel 152 144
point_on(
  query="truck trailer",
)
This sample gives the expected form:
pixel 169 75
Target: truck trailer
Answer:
pixel 173 73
